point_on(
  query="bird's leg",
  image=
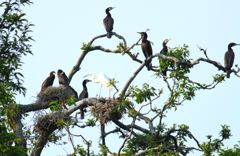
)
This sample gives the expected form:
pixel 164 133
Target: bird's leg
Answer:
pixel 109 94
pixel 100 91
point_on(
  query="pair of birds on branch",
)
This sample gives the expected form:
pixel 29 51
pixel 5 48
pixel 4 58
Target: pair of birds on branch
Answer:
pixel 147 50
pixel 63 81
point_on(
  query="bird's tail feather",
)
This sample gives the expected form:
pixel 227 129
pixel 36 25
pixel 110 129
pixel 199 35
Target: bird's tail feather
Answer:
pixel 228 73
pixel 109 34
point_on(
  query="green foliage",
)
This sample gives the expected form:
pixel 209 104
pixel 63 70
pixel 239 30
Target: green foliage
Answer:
pixel 181 53
pixel 144 94
pixel 112 82
pixel 14 43
pixel 121 47
pixel 212 146
pixel 235 151
pixel 219 78
pixel 81 150
pixel 6 140
pixel 86 47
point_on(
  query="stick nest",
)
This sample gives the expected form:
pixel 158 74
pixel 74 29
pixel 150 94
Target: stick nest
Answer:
pixel 107 110
pixel 62 94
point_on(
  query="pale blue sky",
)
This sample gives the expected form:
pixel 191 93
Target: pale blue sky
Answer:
pixel 61 27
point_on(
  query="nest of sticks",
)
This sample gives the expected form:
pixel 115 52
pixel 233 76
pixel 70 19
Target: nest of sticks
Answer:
pixel 107 110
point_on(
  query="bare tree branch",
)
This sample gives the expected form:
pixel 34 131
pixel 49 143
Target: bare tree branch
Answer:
pixel 131 132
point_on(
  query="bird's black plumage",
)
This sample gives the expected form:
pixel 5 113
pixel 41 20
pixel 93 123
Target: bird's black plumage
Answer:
pixel 49 81
pixel 164 52
pixel 108 22
pixel 63 80
pixel 62 77
pixel 84 93
pixel 73 91
pixel 229 59
pixel 147 49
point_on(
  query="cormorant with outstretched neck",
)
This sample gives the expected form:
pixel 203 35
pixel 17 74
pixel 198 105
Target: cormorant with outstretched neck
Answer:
pixel 84 93
pixel 49 81
pixel 229 59
pixel 147 49
pixel 108 22
pixel 164 52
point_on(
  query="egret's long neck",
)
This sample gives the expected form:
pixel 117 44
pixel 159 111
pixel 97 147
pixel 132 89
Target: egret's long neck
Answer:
pixel 93 79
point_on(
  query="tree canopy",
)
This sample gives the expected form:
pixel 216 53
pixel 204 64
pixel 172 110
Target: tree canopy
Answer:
pixel 136 113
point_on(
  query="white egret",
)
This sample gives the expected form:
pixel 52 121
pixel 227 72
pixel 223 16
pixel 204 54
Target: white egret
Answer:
pixel 103 80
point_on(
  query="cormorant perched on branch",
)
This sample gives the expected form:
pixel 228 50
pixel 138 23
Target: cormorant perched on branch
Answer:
pixel 229 59
pixel 147 49
pixel 63 79
pixel 108 22
pixel 164 52
pixel 49 81
pixel 84 93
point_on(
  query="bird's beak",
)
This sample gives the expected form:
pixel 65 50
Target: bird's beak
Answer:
pixel 85 76
pixel 54 73
pixel 139 32
pixel 62 73
pixel 168 40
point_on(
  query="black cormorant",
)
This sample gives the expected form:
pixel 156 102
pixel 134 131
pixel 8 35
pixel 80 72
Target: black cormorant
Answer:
pixel 63 79
pixel 229 59
pixel 49 81
pixel 84 93
pixel 164 52
pixel 147 49
pixel 108 22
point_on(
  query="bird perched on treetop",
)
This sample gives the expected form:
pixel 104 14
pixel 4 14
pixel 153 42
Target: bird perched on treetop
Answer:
pixel 229 59
pixel 164 52
pixel 49 81
pixel 147 49
pixel 108 22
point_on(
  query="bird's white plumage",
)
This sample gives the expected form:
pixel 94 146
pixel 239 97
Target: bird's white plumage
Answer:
pixel 102 79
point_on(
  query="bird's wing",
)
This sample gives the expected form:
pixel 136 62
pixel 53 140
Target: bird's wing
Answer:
pixel 108 23
pixel 229 59
pixel 83 94
pixel 147 49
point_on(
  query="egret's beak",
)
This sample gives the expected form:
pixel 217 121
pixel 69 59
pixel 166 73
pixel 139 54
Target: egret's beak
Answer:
pixel 85 76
